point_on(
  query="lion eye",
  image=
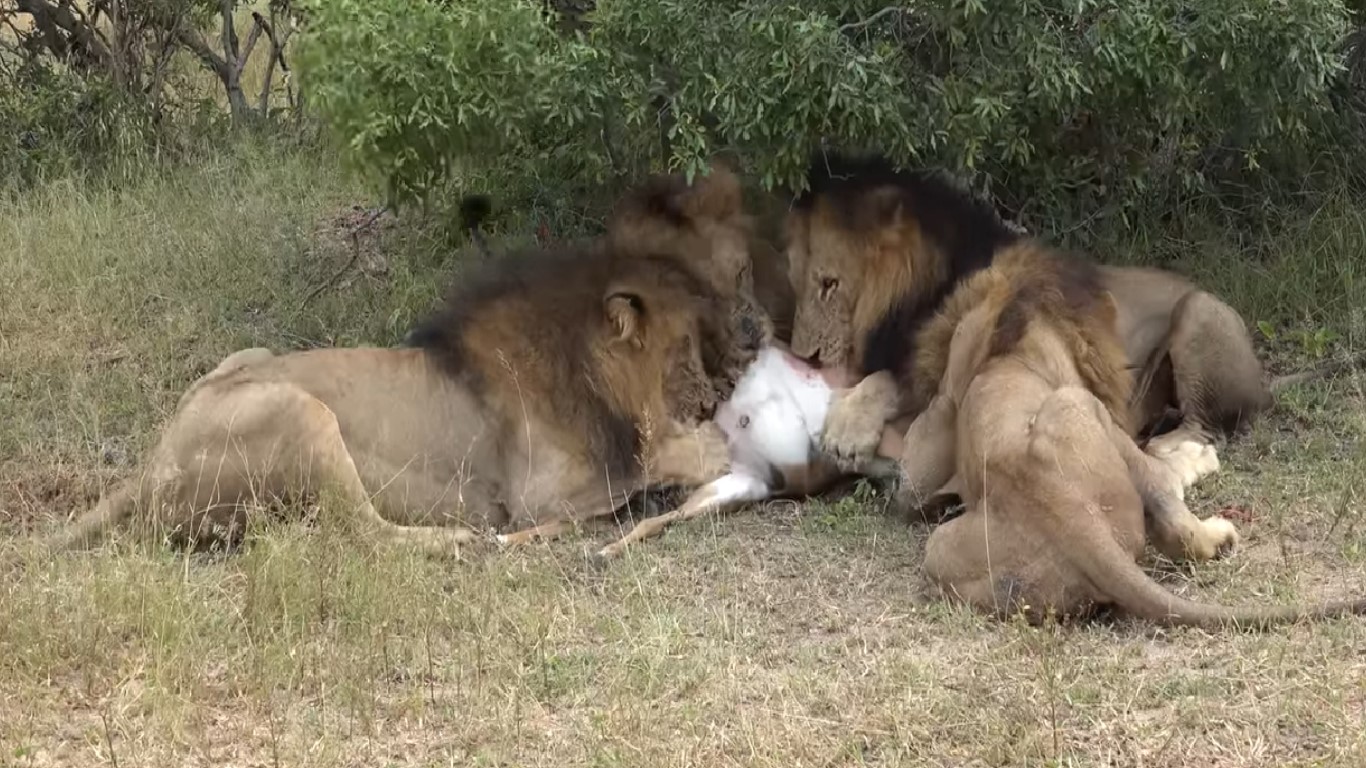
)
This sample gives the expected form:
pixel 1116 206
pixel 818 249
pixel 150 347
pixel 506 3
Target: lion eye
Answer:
pixel 828 286
pixel 744 422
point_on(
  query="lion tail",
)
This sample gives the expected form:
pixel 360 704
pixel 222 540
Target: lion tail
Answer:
pixel 94 526
pixel 473 210
pixel 1115 573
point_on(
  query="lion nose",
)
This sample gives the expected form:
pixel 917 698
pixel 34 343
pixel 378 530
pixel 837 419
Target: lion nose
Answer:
pixel 750 329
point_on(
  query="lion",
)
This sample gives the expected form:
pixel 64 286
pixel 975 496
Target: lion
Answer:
pixel 551 387
pixel 1029 411
pixel 874 252
pixel 704 222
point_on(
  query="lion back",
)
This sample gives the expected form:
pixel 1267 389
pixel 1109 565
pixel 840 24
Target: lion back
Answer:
pixel 1067 292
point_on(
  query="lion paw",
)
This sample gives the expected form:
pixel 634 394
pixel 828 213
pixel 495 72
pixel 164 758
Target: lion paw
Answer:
pixel 854 425
pixel 1191 460
pixel 1220 537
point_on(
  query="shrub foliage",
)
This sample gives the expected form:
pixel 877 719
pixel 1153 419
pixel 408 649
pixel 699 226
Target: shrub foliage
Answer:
pixel 1053 102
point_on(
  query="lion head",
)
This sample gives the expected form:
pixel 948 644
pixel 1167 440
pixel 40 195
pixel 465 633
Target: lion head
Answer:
pixel 872 251
pixel 703 224
pixel 586 337
pixel 662 319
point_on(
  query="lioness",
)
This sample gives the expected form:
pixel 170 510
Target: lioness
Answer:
pixel 1028 412
pixel 548 389
pixel 874 252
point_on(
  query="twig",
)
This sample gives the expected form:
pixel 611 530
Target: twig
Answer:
pixel 888 11
pixel 370 219
pixel 108 738
pixel 252 37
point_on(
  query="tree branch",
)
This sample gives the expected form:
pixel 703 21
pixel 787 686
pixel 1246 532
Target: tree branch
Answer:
pixel 252 37
pixel 48 17
pixel 202 51
pixel 229 30
pixel 277 55
pixel 856 25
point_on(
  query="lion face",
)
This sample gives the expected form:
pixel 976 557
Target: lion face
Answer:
pixel 825 267
pixel 660 317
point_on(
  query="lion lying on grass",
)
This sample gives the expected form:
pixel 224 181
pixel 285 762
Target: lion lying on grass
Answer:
pixel 1010 359
pixel 875 252
pixel 1053 485
pixel 551 388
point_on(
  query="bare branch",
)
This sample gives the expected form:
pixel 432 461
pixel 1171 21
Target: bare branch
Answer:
pixel 364 224
pixel 202 51
pixel 277 55
pixel 49 17
pixel 856 25
pixel 229 30
pixel 252 37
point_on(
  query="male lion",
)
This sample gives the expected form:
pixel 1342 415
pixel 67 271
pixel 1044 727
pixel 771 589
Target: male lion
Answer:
pixel 704 223
pixel 1028 412
pixel 546 390
pixel 874 253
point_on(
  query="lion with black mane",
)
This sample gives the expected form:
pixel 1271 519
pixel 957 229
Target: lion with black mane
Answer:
pixel 874 252
pixel 1005 360
pixel 550 388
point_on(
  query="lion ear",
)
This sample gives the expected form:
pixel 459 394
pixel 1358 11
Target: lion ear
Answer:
pixel 625 311
pixel 714 196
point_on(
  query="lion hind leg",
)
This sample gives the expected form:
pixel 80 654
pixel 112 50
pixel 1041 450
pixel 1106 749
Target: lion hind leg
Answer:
pixel 1173 529
pixel 984 561
pixel 265 441
pixel 1219 383
pixel 723 494
pixel 323 455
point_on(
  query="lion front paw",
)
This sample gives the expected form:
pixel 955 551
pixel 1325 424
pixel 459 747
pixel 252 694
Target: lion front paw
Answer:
pixel 1219 537
pixel 854 425
pixel 1190 460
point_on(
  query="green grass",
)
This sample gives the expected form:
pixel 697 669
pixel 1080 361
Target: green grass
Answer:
pixel 790 637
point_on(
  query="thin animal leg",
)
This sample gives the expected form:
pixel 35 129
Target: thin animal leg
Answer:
pixel 725 493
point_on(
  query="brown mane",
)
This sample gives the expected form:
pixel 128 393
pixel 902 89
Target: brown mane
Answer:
pixel 1026 284
pixel 525 323
pixel 929 235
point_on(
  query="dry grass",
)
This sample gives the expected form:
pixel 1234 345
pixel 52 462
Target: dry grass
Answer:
pixel 792 638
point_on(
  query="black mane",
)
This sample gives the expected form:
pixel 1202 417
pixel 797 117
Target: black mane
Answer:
pixel 965 228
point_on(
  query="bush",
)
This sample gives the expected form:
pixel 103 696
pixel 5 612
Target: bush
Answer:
pixel 53 123
pixel 1061 106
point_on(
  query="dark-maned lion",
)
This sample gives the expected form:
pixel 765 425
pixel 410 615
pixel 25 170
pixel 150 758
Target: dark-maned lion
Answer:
pixel 874 253
pixel 548 389
pixel 1028 413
